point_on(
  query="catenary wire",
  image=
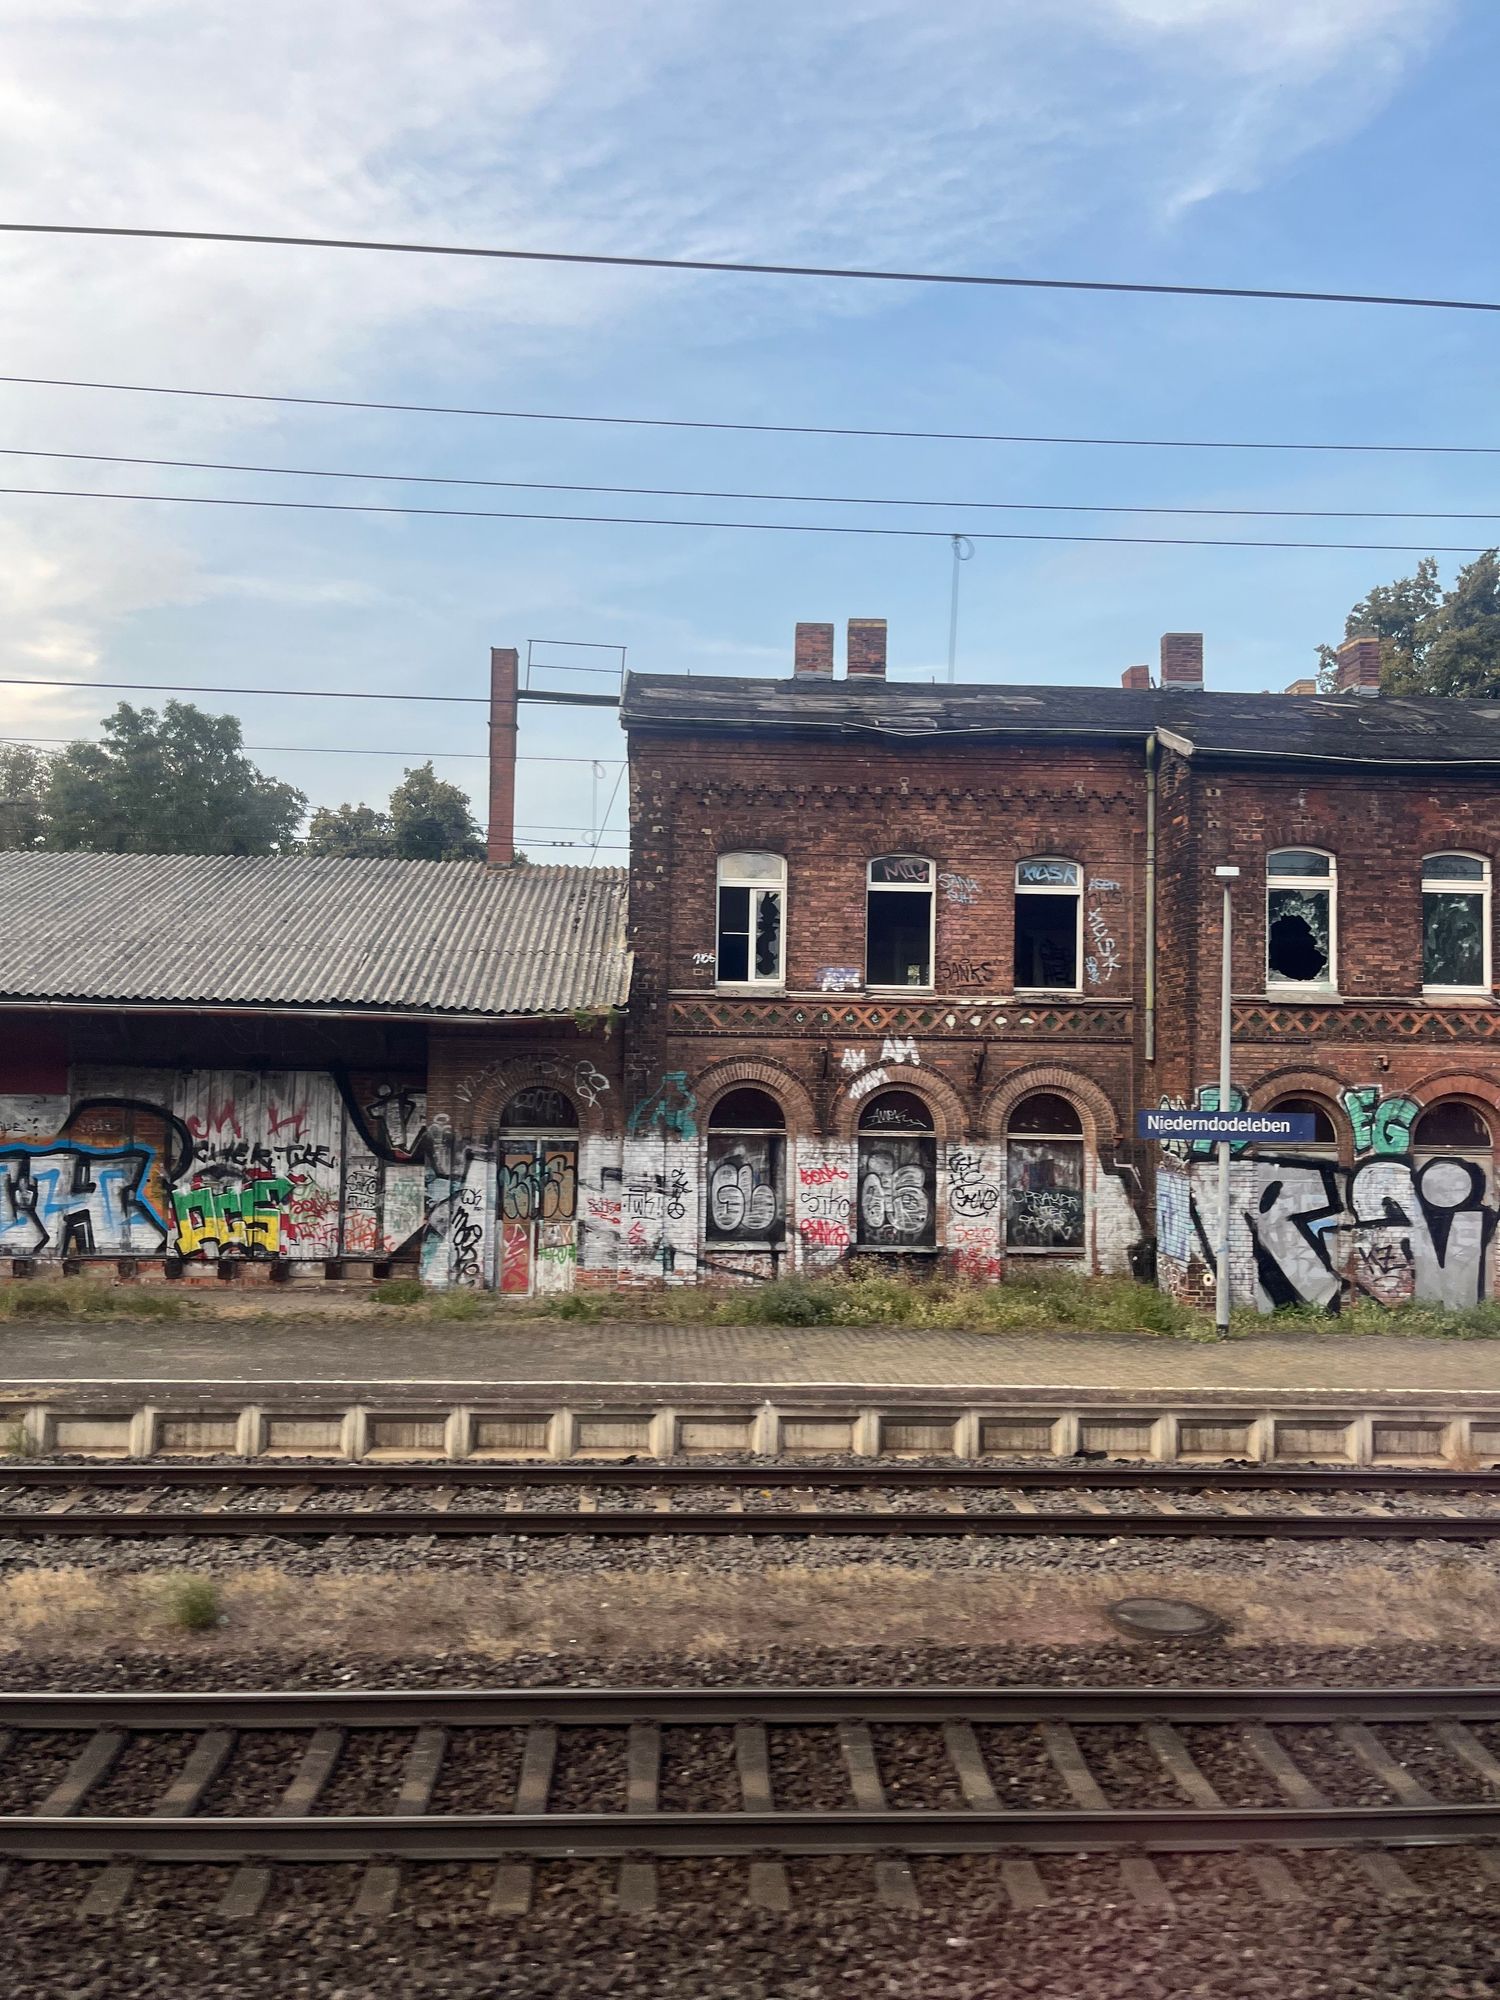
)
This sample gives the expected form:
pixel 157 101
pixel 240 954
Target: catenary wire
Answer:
pixel 735 268
pixel 723 424
pixel 712 493
pixel 319 749
pixel 757 527
pixel 609 808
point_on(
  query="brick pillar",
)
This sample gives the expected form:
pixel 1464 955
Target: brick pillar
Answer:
pixel 1136 677
pixel 812 655
pixel 505 674
pixel 1358 668
pixel 866 649
pixel 1182 660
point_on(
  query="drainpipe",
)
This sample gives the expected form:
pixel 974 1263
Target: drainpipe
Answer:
pixel 1151 898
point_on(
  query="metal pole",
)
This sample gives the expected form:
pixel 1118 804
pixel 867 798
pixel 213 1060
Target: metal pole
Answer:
pixel 963 548
pixel 1222 1294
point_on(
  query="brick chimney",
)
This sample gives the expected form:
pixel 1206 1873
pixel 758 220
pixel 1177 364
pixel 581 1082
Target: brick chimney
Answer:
pixel 866 649
pixel 1182 660
pixel 1136 677
pixel 1302 687
pixel 812 655
pixel 505 674
pixel 1358 668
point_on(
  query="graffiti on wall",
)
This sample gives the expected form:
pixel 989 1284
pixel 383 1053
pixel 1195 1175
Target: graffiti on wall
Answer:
pixel 670 1108
pixel 970 1191
pixel 1311 1231
pixel 896 1192
pixel 207 1164
pixel 744 1189
pixel 959 888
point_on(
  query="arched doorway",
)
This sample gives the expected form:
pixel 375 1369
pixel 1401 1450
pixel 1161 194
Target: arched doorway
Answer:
pixel 537 1194
pixel 1044 1198
pixel 1453 1177
pixel 897 1174
pixel 746 1171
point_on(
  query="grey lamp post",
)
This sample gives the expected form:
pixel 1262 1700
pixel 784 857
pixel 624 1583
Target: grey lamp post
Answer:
pixel 1223 1290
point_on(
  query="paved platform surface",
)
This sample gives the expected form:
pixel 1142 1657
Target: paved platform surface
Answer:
pixel 550 1353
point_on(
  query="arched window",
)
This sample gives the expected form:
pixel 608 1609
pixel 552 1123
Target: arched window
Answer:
pixel 1324 1143
pixel 898 921
pixel 1049 925
pixel 1455 923
pixel 537 1190
pixel 751 950
pixel 1044 1175
pixel 1301 918
pixel 1451 1127
pixel 746 1169
pixel 897 1175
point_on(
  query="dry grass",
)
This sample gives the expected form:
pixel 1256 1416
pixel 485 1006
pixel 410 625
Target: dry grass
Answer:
pixel 79 1611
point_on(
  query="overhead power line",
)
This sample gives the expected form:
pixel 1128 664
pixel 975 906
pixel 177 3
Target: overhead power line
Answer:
pixel 724 424
pixel 711 493
pixel 319 749
pixel 738 269
pixel 757 527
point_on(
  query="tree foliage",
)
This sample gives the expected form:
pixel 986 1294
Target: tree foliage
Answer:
pixel 177 782
pixel 427 819
pixel 1433 641
pixel 23 787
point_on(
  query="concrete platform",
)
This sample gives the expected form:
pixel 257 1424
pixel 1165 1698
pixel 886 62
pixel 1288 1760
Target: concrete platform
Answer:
pixel 366 1390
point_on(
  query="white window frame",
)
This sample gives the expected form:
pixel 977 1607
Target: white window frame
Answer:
pixel 771 881
pixel 1054 889
pixel 1460 886
pixel 1276 879
pixel 927 889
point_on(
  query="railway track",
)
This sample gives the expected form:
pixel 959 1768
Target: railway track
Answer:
pixel 243 1782
pixel 131 1502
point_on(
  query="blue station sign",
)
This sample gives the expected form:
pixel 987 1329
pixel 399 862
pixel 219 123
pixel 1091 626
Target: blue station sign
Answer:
pixel 1240 1127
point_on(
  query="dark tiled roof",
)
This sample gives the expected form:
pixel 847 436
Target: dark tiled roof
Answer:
pixel 417 937
pixel 1315 728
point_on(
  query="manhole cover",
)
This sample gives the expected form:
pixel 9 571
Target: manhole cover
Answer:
pixel 1164 1618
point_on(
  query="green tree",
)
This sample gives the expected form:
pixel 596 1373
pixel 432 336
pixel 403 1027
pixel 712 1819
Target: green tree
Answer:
pixel 431 820
pixel 23 786
pixel 427 820
pixel 351 830
pixel 1433 641
pixel 177 782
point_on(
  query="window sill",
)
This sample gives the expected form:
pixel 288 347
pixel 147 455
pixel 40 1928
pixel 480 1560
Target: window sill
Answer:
pixel 894 1249
pixel 887 992
pixel 1037 1250
pixel 1026 994
pixel 1458 996
pixel 713 1244
pixel 1322 996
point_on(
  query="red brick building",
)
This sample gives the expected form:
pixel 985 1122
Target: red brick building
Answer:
pixel 909 958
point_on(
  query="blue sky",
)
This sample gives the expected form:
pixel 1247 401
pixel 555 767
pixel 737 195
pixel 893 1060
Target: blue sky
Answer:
pixel 1337 144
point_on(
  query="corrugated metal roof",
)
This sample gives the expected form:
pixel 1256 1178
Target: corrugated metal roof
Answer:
pixel 422 937
pixel 1317 729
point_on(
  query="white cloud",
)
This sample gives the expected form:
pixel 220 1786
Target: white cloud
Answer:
pixel 968 131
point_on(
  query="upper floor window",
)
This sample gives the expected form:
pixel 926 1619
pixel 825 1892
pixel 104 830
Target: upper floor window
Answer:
pixel 1301 938
pixel 898 921
pixel 751 932
pixel 1049 925
pixel 1456 923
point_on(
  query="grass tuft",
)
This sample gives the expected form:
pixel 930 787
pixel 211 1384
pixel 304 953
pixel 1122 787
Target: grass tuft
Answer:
pixel 77 1298
pixel 193 1603
pixel 399 1292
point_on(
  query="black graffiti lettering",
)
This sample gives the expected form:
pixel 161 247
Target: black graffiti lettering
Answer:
pixel 967 971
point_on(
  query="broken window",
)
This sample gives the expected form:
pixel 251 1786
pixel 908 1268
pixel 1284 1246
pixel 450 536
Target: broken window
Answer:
pixel 897 1173
pixel 1299 918
pixel 1456 922
pixel 1044 1175
pixel 898 921
pixel 750 928
pixel 1049 925
pixel 746 1150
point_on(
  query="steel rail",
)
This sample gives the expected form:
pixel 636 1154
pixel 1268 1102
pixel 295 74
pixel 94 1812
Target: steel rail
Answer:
pixel 569 1707
pixel 1078 1477
pixel 486 1836
pixel 617 1524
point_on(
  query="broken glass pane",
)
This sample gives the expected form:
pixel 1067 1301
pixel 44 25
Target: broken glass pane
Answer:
pixel 1452 938
pixel 1044 1186
pixel 768 934
pixel 1297 936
